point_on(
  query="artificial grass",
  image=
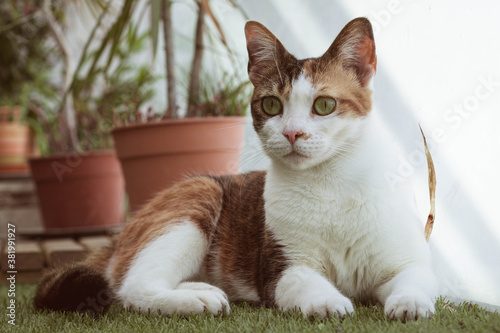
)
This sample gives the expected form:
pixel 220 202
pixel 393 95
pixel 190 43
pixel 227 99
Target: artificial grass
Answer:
pixel 243 318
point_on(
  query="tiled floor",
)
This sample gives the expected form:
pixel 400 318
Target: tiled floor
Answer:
pixel 32 256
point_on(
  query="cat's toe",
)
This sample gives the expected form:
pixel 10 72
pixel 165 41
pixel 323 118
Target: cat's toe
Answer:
pixel 214 302
pixel 183 302
pixel 189 302
pixel 214 299
pixel 324 306
pixel 409 307
pixel 201 286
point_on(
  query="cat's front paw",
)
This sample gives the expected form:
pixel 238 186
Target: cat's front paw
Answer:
pixel 302 288
pixel 183 301
pixel 323 306
pixel 214 299
pixel 409 307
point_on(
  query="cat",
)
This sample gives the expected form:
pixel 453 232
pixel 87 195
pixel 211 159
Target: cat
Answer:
pixel 317 231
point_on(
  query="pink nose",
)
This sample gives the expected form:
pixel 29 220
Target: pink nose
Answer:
pixel 292 136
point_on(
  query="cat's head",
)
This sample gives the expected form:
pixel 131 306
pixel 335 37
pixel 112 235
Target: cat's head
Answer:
pixel 308 111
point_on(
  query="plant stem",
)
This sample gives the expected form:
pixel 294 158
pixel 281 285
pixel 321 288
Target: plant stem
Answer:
pixel 169 59
pixel 67 123
pixel 87 44
pixel 194 79
pixel 17 22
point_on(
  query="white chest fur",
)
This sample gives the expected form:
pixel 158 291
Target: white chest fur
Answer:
pixel 343 221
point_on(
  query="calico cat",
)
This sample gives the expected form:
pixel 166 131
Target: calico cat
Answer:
pixel 317 231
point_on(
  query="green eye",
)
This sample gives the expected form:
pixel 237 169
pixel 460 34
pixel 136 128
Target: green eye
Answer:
pixel 271 105
pixel 324 105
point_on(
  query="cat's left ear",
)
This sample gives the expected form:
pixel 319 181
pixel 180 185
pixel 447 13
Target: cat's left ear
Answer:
pixel 264 50
pixel 354 47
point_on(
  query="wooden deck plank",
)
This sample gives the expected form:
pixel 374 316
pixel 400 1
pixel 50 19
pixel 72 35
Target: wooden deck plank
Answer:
pixel 61 251
pixel 94 243
pixel 28 256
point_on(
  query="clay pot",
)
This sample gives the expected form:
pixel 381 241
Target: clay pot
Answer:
pixel 79 191
pixel 15 142
pixel 156 155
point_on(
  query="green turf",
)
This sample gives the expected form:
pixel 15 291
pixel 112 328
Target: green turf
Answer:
pixel 243 318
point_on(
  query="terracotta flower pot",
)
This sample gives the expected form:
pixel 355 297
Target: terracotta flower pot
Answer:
pixel 155 155
pixel 15 142
pixel 79 191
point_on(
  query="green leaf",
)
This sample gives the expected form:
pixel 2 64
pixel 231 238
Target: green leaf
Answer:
pixel 156 7
pixel 119 27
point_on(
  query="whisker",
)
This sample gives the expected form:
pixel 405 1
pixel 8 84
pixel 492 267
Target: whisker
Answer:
pixel 276 61
pixel 264 77
pixel 323 70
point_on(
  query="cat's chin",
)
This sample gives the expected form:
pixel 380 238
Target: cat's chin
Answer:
pixel 297 160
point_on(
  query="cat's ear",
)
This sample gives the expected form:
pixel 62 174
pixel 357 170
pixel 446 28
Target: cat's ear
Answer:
pixel 354 47
pixel 264 49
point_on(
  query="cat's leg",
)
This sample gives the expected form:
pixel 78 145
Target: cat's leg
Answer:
pixel 410 294
pixel 301 287
pixel 155 280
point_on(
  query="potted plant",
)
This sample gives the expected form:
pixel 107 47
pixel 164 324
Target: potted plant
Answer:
pixel 79 180
pixel 16 141
pixel 23 62
pixel 208 140
pixel 121 92
pixel 155 154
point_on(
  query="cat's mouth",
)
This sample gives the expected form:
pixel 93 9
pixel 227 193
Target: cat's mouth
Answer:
pixel 296 156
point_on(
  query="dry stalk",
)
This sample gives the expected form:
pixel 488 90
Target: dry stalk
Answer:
pixel 432 189
pixel 166 14
pixel 194 78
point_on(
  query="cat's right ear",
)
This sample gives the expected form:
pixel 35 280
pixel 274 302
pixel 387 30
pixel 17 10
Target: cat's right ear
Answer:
pixel 264 50
pixel 354 48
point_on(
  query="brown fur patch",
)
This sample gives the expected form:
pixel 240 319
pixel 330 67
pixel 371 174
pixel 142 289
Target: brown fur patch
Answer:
pixel 347 66
pixel 354 48
pixel 78 287
pixel 271 69
pixel 276 81
pixel 196 199
pixel 243 248
pixel 306 136
pixel 352 99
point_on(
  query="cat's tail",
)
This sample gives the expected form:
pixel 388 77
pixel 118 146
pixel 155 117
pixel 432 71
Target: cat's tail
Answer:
pixel 80 287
